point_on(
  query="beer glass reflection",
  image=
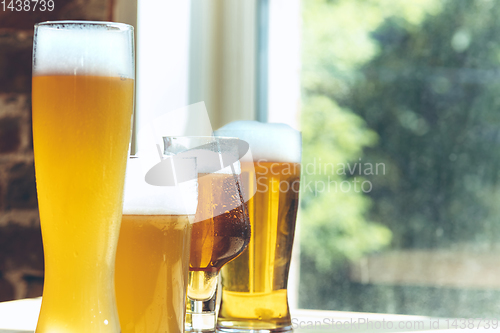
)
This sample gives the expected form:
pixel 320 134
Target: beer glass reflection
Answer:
pixel 254 292
pixel 83 88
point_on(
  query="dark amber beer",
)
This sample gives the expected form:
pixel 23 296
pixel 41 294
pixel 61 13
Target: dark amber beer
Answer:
pixel 221 230
pixel 254 293
pixel 220 238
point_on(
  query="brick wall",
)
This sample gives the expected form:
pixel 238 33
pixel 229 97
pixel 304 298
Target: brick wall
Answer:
pixel 21 253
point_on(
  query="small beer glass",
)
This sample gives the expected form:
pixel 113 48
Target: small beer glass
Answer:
pixel 221 230
pixel 152 258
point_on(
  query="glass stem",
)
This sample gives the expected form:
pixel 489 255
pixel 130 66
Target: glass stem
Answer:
pixel 202 285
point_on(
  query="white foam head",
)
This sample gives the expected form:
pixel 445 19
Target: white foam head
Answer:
pixel 268 141
pixel 83 48
pixel 140 198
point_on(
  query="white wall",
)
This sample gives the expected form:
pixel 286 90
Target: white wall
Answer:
pixel 284 62
pixel 163 30
pixel 223 59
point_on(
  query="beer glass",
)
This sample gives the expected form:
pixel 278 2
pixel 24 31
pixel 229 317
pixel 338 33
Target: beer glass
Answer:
pixel 83 93
pixel 152 259
pixel 221 230
pixel 254 291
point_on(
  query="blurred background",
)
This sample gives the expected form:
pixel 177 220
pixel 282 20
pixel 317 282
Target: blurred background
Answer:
pixel 412 85
pixel 398 106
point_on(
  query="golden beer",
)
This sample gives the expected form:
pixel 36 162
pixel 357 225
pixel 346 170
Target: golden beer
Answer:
pixel 81 132
pixel 219 239
pixel 255 283
pixel 151 272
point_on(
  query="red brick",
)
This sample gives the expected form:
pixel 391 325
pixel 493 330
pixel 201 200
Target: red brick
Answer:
pixel 6 290
pixel 15 70
pixel 13 39
pixel 1 197
pixel 21 187
pixel 9 135
pixel 20 247
pixel 34 286
pixel 15 104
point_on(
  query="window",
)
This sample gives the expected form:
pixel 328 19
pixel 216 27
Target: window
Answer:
pixel 397 102
pixel 400 120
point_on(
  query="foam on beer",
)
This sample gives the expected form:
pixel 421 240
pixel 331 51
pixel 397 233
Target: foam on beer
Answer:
pixel 268 141
pixel 141 198
pixel 90 48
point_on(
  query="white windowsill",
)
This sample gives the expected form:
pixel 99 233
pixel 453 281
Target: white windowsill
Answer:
pixel 21 316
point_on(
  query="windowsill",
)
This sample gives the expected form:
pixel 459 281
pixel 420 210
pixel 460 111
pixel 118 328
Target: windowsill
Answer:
pixel 21 316
pixel 434 268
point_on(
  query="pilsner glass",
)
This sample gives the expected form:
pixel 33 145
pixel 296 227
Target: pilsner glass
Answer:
pixel 221 230
pixel 254 285
pixel 152 259
pixel 83 88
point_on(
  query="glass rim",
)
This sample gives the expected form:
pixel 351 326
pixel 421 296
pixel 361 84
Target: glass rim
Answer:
pixel 116 25
pixel 250 130
pixel 200 136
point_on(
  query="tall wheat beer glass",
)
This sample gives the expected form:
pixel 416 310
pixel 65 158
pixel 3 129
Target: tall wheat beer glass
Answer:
pixel 152 259
pixel 83 88
pixel 254 292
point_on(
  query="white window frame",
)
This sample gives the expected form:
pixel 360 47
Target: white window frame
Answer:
pixel 242 58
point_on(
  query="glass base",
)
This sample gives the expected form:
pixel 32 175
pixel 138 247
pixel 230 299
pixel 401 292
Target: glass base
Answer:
pixel 251 326
pixel 201 316
pixel 200 322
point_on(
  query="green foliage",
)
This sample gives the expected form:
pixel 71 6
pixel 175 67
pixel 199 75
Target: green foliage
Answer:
pixel 337 42
pixel 431 97
pixel 334 205
pixel 413 85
